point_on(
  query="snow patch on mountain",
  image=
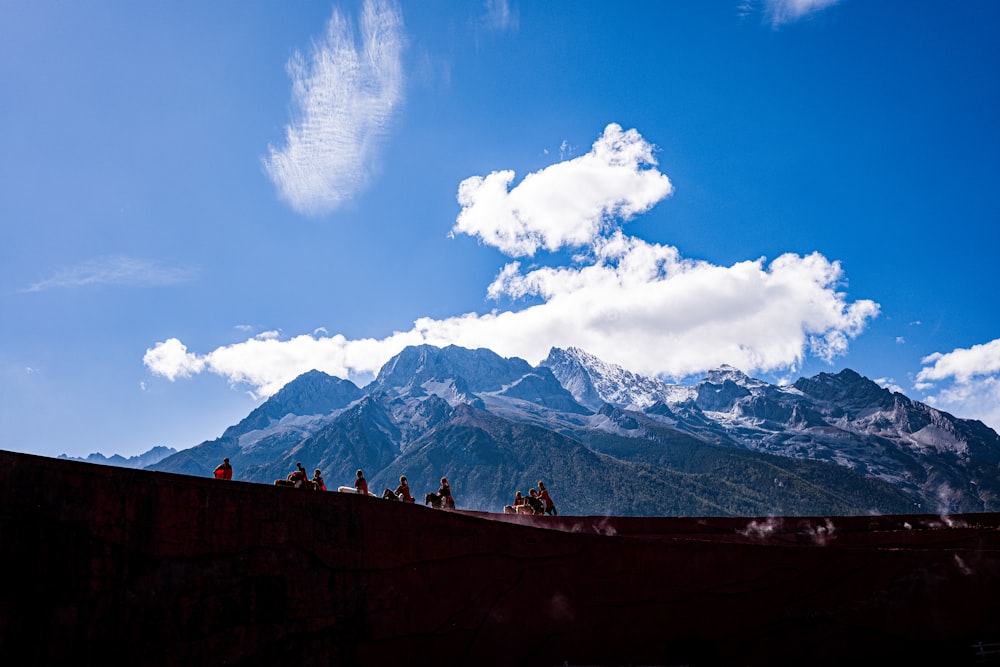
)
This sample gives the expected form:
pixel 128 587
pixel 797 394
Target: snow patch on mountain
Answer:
pixel 592 381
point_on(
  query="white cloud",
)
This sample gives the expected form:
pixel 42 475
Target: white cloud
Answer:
pixel 962 364
pixel 890 384
pixel 644 307
pixel 116 270
pixel 779 12
pixel 501 16
pixel 966 382
pixel 344 98
pixel 637 304
pixel 568 203
pixel 172 360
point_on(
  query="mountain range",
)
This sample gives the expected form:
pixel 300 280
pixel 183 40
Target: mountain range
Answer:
pixel 607 441
pixel 146 459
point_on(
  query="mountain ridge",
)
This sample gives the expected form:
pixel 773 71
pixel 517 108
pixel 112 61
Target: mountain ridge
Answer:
pixel 831 443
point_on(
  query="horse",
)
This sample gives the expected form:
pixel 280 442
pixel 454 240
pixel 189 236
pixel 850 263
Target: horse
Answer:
pixel 303 484
pixel 438 502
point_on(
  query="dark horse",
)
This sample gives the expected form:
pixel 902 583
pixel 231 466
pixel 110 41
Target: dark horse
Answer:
pixel 435 501
pixel 307 484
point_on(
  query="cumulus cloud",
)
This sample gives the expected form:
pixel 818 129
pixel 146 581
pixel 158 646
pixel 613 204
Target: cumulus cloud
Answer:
pixel 637 304
pixel 172 360
pixel 115 270
pixel 965 382
pixel 344 96
pixel 779 12
pixel 568 203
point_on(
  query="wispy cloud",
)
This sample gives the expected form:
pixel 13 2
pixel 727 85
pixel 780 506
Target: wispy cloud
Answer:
pixel 344 97
pixel 115 270
pixel 965 382
pixel 780 12
pixel 637 304
pixel 501 16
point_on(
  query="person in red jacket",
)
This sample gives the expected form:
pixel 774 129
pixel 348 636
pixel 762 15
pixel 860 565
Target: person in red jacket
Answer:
pixel 403 490
pixel 224 470
pixel 299 476
pixel 543 494
pixel 361 484
pixel 444 493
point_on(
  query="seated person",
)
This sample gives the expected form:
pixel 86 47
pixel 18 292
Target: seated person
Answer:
pixel 403 490
pixel 317 481
pixel 361 484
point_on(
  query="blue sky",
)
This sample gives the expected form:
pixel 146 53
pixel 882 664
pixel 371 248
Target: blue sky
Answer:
pixel 199 201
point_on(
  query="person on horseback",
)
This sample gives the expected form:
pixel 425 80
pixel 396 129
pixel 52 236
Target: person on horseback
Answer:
pixel 444 493
pixel 442 498
pixel 361 484
pixel 534 502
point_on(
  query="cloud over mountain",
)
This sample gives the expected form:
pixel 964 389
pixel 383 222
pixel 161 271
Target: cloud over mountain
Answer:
pixel 965 381
pixel 638 304
pixel 567 204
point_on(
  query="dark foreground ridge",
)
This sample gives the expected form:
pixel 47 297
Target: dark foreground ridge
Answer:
pixel 120 566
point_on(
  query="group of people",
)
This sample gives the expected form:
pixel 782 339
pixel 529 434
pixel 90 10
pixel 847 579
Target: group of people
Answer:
pixel 299 479
pixel 443 497
pixel 538 501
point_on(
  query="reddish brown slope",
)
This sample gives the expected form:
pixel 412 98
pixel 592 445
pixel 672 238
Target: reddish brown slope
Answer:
pixel 109 564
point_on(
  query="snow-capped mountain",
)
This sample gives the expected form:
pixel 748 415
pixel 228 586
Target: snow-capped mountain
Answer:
pixel 593 382
pixel 845 419
pixel 607 440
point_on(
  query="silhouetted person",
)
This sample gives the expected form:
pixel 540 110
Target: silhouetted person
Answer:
pixel 318 482
pixel 534 502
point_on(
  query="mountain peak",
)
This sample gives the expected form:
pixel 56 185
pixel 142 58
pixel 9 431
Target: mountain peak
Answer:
pixel 726 372
pixel 311 393
pixel 847 387
pixel 477 370
pixel 593 382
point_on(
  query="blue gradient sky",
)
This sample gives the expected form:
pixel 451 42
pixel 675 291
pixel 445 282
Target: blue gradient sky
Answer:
pixel 199 201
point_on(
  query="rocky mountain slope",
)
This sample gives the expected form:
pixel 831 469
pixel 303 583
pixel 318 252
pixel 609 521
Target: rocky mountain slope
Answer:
pixel 608 441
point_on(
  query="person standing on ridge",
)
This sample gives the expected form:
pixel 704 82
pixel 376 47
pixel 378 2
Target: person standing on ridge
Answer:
pixel 550 507
pixel 224 470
